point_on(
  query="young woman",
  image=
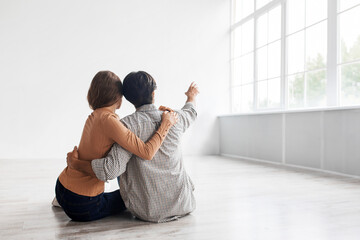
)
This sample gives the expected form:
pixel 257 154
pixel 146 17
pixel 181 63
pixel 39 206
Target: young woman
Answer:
pixel 82 196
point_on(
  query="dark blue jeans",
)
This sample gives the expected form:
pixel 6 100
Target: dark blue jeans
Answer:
pixel 84 208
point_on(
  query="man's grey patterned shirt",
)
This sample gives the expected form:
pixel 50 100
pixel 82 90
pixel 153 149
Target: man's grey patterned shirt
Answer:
pixel 158 190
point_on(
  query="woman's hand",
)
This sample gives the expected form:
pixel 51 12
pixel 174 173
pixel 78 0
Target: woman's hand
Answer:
pixel 169 117
pixel 192 92
pixel 74 162
pixel 72 157
pixel 164 108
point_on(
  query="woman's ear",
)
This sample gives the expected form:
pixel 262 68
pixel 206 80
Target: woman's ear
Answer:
pixel 153 96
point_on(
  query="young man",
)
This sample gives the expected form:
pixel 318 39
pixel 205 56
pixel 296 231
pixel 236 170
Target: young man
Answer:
pixel 158 190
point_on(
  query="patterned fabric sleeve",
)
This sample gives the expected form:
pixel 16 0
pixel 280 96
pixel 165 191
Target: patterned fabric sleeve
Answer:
pixel 187 116
pixel 113 165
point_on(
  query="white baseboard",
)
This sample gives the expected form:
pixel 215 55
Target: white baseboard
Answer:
pixel 289 165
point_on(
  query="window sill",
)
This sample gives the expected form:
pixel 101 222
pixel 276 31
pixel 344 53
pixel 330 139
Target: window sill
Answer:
pixel 266 112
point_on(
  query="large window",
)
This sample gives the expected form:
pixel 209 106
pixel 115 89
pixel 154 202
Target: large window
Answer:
pixel 289 54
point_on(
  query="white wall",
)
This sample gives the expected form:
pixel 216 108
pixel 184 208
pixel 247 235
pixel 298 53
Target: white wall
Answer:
pixel 50 50
pixel 326 140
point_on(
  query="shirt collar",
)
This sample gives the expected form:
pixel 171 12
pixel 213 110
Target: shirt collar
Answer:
pixel 146 107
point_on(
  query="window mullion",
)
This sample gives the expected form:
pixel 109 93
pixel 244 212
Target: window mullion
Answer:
pixel 283 93
pixel 255 92
pixel 305 65
pixel 332 55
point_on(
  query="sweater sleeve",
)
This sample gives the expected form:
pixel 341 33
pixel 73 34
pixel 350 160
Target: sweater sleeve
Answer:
pixel 115 130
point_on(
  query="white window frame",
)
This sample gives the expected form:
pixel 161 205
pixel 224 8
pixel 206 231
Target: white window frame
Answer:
pixel 333 88
pixel 254 16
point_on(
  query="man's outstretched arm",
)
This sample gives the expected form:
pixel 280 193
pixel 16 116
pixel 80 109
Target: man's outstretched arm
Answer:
pixel 188 114
pixel 107 168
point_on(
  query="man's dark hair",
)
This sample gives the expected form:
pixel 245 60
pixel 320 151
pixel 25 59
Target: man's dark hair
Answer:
pixel 105 90
pixel 138 88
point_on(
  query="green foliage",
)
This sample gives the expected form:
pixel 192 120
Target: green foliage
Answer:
pixel 316 63
pixel 352 53
pixel 316 85
pixel 316 88
pixel 296 91
pixel 316 80
pixel 350 73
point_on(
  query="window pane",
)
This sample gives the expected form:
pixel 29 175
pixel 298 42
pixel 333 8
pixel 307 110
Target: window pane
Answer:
pixel 275 24
pixel 345 4
pixel 262 63
pixel 247 68
pixel 274 90
pixel 261 3
pixel 238 10
pixel 296 15
pixel 350 84
pixel 296 90
pixel 316 46
pixel 262 94
pixel 247 37
pixel 262 30
pixel 316 88
pixel 247 94
pixel 350 35
pixel 295 53
pixel 237 42
pixel 243 9
pixel 248 7
pixel 316 10
pixel 236 99
pixel 274 59
pixel 236 78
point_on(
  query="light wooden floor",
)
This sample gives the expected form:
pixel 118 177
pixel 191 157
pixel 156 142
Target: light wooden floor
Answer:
pixel 235 200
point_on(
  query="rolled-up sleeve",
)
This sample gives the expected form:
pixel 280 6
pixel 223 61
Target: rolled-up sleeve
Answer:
pixel 113 165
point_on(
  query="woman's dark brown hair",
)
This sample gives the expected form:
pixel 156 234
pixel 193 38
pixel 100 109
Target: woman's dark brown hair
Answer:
pixel 105 90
